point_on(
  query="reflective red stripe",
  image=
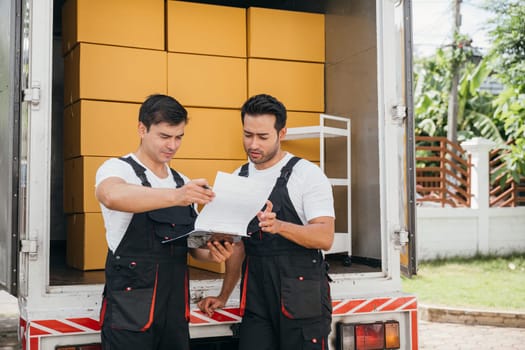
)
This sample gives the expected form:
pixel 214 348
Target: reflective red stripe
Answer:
pixel 102 312
pixel 232 310
pixel 152 307
pixel 186 298
pixel 397 304
pixel 335 303
pixel 352 304
pixel 217 316
pixel 56 326
pixel 34 343
pixel 242 306
pixel 373 305
pixel 36 331
pixel 87 322
pixel 23 332
pixel 196 320
pixel 413 316
pixel 411 306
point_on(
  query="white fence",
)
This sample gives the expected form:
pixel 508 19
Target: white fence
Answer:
pixel 450 232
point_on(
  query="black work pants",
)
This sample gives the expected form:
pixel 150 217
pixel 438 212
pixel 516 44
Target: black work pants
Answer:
pixel 287 302
pixel 146 306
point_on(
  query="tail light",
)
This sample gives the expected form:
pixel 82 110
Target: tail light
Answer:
pixel 392 335
pixel 368 336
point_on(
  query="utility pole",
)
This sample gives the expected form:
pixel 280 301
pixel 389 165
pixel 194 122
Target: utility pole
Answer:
pixel 452 121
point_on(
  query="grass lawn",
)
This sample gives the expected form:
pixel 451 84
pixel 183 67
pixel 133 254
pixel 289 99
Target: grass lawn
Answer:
pixel 479 282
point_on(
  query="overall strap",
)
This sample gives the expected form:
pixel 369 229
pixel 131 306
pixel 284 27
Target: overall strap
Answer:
pixel 140 171
pixel 178 179
pixel 244 170
pixel 286 171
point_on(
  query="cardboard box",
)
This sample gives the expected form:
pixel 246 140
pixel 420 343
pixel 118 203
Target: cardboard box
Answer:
pixel 205 168
pixel 286 35
pixel 103 129
pixel 90 130
pixel 207 81
pixel 206 29
pixel 204 265
pixel 79 184
pixel 307 148
pixel 137 23
pixel 212 134
pixel 86 241
pixel 201 141
pixel 299 85
pixel 112 73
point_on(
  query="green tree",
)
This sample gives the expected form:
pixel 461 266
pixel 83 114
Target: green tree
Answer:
pixel 508 64
pixel 475 108
pixel 508 41
pixel 500 118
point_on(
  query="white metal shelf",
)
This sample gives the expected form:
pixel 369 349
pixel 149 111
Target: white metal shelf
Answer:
pixel 339 182
pixel 312 132
pixel 342 240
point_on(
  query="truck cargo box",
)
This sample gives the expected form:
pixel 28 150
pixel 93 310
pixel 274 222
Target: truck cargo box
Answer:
pixel 343 69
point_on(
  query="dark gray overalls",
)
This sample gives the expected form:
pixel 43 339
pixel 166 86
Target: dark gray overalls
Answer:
pixel 285 296
pixel 146 296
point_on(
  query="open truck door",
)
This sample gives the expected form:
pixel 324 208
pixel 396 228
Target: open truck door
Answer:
pixel 408 260
pixel 9 145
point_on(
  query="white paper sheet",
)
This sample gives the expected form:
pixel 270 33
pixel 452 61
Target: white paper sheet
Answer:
pixel 237 201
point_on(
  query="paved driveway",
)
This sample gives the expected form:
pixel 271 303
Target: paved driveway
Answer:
pixel 434 335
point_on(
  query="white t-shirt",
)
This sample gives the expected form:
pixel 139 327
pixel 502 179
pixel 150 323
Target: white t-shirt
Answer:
pixel 117 222
pixel 308 187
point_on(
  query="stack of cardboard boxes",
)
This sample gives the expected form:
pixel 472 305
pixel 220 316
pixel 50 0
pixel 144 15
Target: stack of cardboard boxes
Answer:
pixel 209 57
pixel 113 57
pixel 286 53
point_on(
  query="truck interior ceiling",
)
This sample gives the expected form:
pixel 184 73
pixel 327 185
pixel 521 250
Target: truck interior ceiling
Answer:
pixel 350 91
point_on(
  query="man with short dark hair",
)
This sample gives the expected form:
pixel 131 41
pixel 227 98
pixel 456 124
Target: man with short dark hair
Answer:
pixel 146 206
pixel 285 296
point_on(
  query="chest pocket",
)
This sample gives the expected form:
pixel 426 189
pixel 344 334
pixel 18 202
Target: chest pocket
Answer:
pixel 172 223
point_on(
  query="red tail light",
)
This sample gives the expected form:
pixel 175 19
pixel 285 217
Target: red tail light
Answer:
pixel 368 336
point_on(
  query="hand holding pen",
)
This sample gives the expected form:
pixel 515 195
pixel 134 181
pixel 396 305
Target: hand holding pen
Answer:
pixel 196 191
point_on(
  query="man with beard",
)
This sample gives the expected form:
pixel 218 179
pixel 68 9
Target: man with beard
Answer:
pixel 285 296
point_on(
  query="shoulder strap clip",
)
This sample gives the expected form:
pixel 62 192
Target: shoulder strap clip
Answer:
pixel 286 171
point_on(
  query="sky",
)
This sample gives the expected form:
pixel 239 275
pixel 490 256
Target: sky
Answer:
pixel 433 24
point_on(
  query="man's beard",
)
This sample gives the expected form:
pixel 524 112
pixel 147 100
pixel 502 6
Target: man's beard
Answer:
pixel 264 157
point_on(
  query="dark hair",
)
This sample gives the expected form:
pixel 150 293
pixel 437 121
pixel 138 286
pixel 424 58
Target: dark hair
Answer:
pixel 162 108
pixel 265 104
